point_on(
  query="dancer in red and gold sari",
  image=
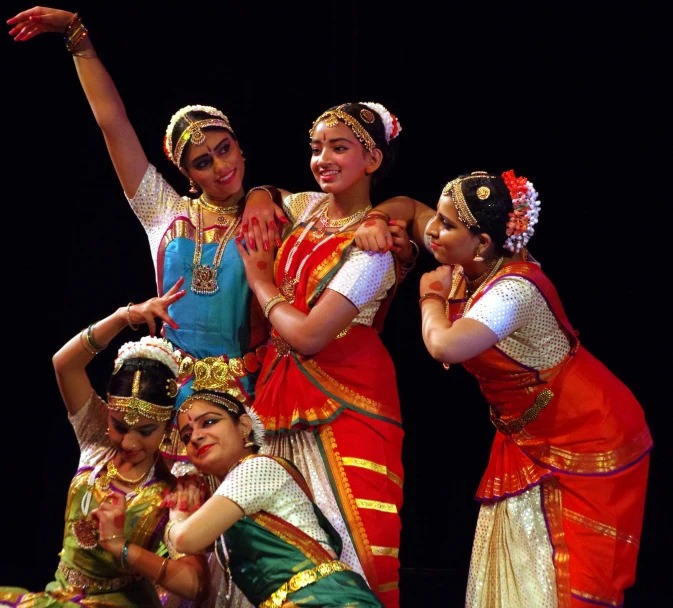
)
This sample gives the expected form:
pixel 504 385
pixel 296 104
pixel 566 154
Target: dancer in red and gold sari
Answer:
pixel 564 490
pixel 327 391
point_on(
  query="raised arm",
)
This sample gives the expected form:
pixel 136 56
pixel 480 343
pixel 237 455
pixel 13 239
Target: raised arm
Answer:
pixel 72 358
pixel 127 155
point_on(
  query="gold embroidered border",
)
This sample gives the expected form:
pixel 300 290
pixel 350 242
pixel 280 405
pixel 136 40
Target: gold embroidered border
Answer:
pixel 385 551
pixel 512 482
pixel 599 527
pixel 150 515
pixel 313 285
pixel 341 390
pixel 309 547
pixel 376 505
pixel 596 598
pixel 344 495
pixel 601 462
pixel 388 587
pixel 553 509
pixel 372 466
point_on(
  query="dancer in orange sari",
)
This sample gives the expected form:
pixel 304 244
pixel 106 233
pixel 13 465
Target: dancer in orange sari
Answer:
pixel 327 392
pixel 564 490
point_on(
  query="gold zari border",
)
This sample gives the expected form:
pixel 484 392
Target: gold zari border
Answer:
pixel 372 466
pixel 385 551
pixel 386 507
pixel 599 527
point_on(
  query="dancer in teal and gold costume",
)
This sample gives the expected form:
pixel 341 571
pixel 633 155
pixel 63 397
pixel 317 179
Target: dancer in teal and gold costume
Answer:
pixel 271 539
pixel 121 465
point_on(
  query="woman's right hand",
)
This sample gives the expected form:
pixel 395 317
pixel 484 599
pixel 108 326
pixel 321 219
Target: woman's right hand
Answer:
pixel 38 20
pixel 157 307
pixel 374 235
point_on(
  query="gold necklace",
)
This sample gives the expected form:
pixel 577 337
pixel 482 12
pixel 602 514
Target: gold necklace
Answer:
pixel 103 482
pixel 494 269
pixel 288 286
pixel 326 223
pixel 204 276
pixel 216 209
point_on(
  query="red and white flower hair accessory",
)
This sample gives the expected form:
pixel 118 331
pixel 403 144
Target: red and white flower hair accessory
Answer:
pixel 525 213
pixel 193 130
pixel 390 122
pixel 150 347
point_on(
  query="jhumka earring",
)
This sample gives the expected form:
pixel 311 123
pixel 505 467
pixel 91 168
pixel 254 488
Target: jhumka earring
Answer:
pixel 246 442
pixel 192 187
pixel 477 256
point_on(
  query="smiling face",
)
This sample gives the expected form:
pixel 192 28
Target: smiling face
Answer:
pixel 212 437
pixel 138 442
pixel 338 159
pixel 217 165
pixel 451 241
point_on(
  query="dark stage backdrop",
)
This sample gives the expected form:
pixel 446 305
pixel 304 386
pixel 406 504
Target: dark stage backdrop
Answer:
pixel 567 97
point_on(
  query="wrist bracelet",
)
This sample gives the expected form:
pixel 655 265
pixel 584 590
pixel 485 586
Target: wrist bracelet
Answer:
pixel 128 317
pixel 271 302
pixel 100 540
pixel 431 296
pixel 272 191
pixel 125 555
pixel 91 340
pixel 376 215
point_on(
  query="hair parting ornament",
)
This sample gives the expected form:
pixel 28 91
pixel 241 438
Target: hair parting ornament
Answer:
pixel 525 213
pixel 194 130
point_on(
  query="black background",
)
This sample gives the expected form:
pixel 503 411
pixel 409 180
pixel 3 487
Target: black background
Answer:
pixel 570 98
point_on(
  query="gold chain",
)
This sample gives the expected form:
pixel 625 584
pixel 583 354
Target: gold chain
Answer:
pixel 214 208
pixel 481 287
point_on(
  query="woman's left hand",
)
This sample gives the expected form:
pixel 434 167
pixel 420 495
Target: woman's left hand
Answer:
pixel 258 261
pixel 437 281
pixel 270 218
pixel 111 515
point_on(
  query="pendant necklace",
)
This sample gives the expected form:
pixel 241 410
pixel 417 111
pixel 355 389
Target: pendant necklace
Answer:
pixel 288 286
pixel 204 276
pixel 220 211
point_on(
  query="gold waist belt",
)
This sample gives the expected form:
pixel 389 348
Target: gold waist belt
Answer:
pixel 77 579
pixel 301 580
pixel 516 426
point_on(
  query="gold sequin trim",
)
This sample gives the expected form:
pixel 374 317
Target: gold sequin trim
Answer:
pixel 599 527
pixel 389 587
pixel 386 507
pixel 385 551
pixel 372 466
pixel 77 579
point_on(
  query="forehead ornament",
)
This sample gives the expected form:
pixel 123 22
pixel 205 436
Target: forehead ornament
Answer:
pixel 332 118
pixel 132 407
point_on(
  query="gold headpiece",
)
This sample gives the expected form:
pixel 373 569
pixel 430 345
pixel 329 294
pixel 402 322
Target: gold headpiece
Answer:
pixel 332 117
pixel 194 130
pixel 133 407
pixel 229 404
pixel 454 188
pixel 213 373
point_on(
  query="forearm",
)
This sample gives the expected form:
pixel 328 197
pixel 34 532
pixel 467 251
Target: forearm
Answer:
pixel 434 328
pixel 187 576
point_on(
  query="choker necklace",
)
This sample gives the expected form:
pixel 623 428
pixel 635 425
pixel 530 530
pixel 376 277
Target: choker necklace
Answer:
pixel 492 270
pixel 472 284
pixel 288 286
pixel 204 276
pixel 326 223
pixel 215 209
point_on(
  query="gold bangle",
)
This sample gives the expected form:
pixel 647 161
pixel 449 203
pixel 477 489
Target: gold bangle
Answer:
pixel 167 541
pixel 266 189
pixel 162 571
pixel 271 302
pixel 92 341
pixel 431 296
pixel 128 317
pixel 377 215
pixel 85 344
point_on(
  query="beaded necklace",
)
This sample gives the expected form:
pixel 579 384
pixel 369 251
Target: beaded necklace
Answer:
pixel 288 285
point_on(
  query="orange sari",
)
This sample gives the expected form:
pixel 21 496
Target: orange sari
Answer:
pixel 588 447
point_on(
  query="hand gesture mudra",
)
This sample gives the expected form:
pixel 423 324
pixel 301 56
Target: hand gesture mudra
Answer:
pixel 38 20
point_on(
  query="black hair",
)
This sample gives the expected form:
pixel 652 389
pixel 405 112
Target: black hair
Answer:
pixel 377 131
pixel 155 381
pixel 491 213
pixel 183 123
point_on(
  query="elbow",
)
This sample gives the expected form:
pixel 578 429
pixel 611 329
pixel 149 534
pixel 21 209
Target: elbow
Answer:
pixel 439 350
pixel 183 543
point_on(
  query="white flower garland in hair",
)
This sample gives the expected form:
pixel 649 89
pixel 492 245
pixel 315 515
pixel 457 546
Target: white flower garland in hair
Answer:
pixel 257 426
pixel 150 347
pixel 390 122
pixel 180 113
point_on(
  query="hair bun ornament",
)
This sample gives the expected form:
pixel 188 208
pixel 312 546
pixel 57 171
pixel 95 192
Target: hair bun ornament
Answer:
pixel 526 209
pixel 150 347
pixel 391 124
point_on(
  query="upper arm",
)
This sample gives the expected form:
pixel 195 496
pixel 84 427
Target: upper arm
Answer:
pixel 465 339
